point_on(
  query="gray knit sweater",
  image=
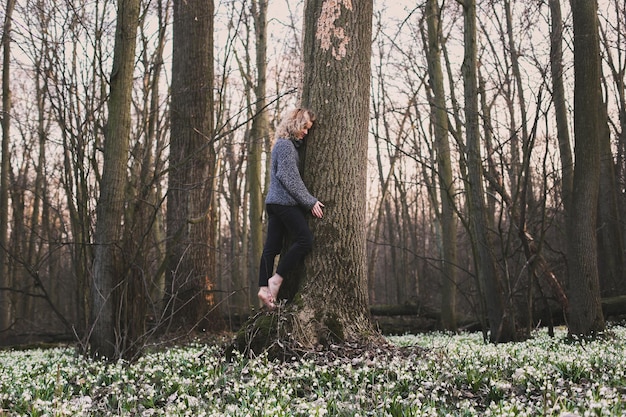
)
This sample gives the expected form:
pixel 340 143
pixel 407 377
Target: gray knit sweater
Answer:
pixel 286 186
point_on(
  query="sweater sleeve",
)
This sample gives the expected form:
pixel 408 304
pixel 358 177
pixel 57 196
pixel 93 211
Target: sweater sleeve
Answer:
pixel 289 176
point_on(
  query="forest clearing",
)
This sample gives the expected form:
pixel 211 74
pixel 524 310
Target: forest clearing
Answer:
pixel 432 374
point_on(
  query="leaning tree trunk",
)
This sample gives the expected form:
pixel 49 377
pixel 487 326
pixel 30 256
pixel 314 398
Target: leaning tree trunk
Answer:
pixel 585 311
pixel 107 333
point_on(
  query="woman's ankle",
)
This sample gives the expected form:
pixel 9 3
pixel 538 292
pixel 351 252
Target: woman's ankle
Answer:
pixel 265 295
pixel 274 284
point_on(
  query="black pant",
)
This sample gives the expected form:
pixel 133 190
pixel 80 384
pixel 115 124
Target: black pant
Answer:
pixel 284 221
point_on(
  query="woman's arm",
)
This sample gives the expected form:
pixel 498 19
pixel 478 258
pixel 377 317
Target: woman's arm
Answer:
pixel 289 176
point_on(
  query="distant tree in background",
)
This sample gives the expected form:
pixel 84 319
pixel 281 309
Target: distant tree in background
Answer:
pixel 259 136
pixel 6 304
pixel 191 209
pixel 585 311
pixel 111 296
pixel 446 214
pixel 501 323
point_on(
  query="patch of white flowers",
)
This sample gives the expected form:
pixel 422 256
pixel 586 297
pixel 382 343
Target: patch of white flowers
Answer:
pixel 443 375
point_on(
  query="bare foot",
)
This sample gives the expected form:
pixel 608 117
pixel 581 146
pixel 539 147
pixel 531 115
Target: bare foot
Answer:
pixel 274 285
pixel 266 297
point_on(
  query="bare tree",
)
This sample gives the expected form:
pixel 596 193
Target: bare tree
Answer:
pixel 447 213
pixel 585 312
pixel 80 119
pixel 109 296
pixel 610 234
pixel 259 135
pixel 143 242
pixel 560 105
pixel 6 304
pixel 333 297
pixel 501 323
pixel 613 38
pixel 331 291
pixel 191 211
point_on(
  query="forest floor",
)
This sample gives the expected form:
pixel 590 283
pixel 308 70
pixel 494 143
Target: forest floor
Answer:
pixel 432 374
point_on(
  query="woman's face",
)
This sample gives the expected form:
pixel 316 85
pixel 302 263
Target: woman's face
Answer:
pixel 305 129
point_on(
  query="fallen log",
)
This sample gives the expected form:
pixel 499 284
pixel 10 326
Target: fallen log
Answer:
pixel 387 310
pixel 614 307
pixel 411 318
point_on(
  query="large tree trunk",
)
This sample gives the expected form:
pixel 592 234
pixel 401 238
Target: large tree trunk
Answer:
pixel 107 334
pixel 444 165
pixel 585 312
pixel 333 302
pixel 191 219
pixel 5 280
pixel 329 298
pixel 501 322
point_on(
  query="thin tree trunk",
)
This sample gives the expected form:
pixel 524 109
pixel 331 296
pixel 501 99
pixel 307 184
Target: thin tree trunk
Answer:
pixel 259 134
pixel 107 333
pixel 6 305
pixel 38 218
pixel 382 204
pixel 152 166
pixel 444 169
pixel 501 324
pixel 560 106
pixel 516 160
pixel 616 65
pixel 610 238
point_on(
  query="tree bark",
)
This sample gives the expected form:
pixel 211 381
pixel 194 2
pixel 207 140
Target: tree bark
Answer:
pixel 153 166
pixel 610 237
pixel 107 337
pixel 259 134
pixel 6 306
pixel 560 106
pixel 501 323
pixel 191 219
pixel 444 165
pixel 585 313
pixel 615 65
pixel 143 285
pixel 332 297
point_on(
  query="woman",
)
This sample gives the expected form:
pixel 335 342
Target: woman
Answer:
pixel 287 203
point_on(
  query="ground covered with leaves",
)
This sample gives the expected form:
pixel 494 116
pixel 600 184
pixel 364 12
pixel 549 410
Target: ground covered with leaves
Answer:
pixel 433 374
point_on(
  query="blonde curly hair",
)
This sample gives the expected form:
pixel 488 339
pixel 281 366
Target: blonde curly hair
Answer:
pixel 293 122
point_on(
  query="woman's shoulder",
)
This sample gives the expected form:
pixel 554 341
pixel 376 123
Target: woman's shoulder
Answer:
pixel 283 144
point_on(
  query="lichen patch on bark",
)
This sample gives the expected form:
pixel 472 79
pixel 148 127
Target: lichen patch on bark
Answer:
pixel 331 36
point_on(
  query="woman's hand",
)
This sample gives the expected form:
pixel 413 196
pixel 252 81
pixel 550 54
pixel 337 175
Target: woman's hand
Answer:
pixel 317 210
